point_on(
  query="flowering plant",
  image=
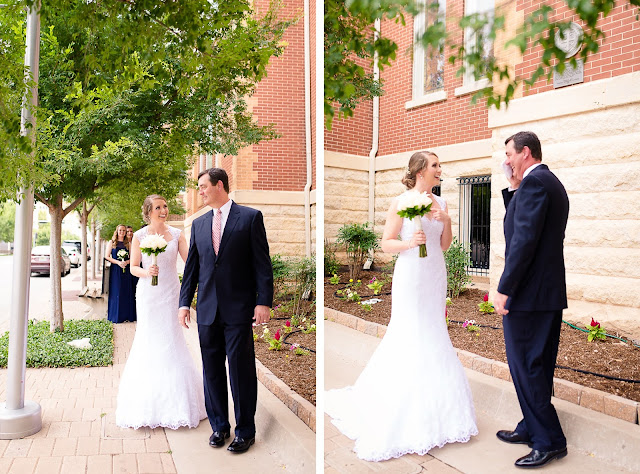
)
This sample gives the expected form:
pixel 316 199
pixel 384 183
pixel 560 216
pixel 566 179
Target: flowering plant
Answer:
pixel 486 306
pixel 335 279
pixel 122 255
pixel 414 205
pixel 349 294
pixel 287 326
pixel 375 285
pixel 297 350
pixel 275 344
pixel 595 331
pixel 154 245
pixel 470 325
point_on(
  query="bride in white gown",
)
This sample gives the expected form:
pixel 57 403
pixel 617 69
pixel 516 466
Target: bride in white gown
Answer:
pixel 413 394
pixel 160 385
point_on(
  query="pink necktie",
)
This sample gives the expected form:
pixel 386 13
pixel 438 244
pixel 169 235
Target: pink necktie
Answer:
pixel 217 230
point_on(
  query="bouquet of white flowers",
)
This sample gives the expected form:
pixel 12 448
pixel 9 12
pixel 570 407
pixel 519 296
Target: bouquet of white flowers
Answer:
pixel 153 244
pixel 413 205
pixel 122 255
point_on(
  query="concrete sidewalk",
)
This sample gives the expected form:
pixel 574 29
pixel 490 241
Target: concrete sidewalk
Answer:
pixel 79 432
pixel 613 444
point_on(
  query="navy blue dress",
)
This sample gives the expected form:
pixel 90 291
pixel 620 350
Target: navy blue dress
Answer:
pixel 122 301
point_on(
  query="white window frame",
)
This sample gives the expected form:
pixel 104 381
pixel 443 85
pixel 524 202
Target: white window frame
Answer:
pixel 469 83
pixel 418 97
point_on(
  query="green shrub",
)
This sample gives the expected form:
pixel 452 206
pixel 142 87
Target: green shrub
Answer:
pixel 50 349
pixel 281 271
pixel 457 260
pixel 358 241
pixel 303 274
pixel 331 262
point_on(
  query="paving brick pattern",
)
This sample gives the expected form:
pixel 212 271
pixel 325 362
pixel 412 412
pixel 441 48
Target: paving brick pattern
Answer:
pixel 77 415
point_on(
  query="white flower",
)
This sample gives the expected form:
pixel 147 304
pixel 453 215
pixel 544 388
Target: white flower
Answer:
pixel 80 343
pixel 413 199
pixel 153 242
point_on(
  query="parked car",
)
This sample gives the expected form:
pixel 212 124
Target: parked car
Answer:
pixel 74 255
pixel 78 245
pixel 41 260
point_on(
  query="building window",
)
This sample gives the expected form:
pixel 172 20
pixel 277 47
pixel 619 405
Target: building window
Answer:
pixel 428 62
pixel 209 161
pixel 475 218
pixel 476 40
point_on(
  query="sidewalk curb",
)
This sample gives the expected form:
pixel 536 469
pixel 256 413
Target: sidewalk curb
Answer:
pixel 596 400
pixel 300 407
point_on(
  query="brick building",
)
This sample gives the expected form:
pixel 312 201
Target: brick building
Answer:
pixel 590 134
pixel 277 176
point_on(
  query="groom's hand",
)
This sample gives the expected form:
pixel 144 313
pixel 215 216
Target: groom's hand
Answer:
pixel 499 301
pixel 261 314
pixel 184 317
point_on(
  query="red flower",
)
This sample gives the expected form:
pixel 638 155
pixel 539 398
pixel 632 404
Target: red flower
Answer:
pixel 276 336
pixel 446 313
pixel 594 324
pixel 486 297
pixel 288 323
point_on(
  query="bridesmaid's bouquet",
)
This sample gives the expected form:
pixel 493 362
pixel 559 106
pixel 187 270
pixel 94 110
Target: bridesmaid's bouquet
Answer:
pixel 413 205
pixel 122 256
pixel 153 245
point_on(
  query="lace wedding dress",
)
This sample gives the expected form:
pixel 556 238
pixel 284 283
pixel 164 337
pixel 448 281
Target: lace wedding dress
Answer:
pixel 160 385
pixel 413 394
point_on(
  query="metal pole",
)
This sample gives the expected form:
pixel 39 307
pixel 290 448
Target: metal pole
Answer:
pixel 20 418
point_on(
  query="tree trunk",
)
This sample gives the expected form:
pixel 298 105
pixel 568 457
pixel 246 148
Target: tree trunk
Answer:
pixel 98 251
pixel 93 243
pixel 83 239
pixel 56 269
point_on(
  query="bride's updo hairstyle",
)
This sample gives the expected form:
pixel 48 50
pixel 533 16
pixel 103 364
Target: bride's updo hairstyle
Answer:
pixel 148 204
pixel 418 161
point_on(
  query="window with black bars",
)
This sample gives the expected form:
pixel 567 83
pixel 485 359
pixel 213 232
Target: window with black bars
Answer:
pixel 475 221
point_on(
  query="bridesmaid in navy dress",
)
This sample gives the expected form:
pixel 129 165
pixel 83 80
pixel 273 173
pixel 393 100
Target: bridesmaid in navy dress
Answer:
pixel 122 303
pixel 133 277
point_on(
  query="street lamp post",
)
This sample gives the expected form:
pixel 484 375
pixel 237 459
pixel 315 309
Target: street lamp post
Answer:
pixel 20 418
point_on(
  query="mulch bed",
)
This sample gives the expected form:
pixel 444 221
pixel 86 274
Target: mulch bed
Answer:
pixel 297 371
pixel 611 357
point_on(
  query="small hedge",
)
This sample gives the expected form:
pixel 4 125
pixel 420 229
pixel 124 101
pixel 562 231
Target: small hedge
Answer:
pixel 47 349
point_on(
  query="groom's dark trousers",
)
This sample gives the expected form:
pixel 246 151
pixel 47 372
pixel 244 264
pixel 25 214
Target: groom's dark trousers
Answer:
pixel 534 280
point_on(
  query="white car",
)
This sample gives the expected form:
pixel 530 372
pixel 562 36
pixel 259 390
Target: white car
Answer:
pixel 74 255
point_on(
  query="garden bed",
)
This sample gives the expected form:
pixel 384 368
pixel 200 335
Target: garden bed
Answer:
pixel 611 357
pixel 298 371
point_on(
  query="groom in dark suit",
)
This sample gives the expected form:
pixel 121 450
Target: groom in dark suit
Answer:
pixel 229 263
pixel 531 296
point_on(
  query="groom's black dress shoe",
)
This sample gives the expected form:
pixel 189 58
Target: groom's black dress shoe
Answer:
pixel 539 458
pixel 216 440
pixel 513 437
pixel 240 445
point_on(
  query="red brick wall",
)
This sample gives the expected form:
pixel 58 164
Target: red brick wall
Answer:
pixel 351 135
pixel 451 121
pixel 312 58
pixel 279 99
pixel 619 52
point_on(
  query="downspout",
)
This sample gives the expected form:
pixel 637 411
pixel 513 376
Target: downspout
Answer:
pixel 307 131
pixel 374 144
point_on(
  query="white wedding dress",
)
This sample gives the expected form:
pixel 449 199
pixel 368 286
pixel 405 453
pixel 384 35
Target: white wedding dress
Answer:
pixel 413 394
pixel 160 385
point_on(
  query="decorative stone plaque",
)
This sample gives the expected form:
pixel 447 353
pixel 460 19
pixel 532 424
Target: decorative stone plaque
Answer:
pixel 569 76
pixel 569 42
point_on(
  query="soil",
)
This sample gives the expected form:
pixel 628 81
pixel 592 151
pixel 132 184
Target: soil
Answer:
pixel 610 357
pixel 297 371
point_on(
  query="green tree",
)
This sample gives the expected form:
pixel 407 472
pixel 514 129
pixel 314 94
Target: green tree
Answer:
pixel 350 43
pixel 7 221
pixel 126 89
pixel 43 234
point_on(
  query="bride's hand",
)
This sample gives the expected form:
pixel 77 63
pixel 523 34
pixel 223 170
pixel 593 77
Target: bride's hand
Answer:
pixel 440 215
pixel 418 238
pixel 153 270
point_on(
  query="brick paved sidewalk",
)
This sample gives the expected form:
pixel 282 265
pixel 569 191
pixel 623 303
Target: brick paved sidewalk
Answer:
pixel 78 431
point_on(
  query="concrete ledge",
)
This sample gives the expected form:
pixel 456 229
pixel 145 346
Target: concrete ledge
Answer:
pixel 596 400
pixel 302 408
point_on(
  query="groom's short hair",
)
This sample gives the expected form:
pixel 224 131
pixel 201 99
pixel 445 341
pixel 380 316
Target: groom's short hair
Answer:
pixel 215 175
pixel 528 139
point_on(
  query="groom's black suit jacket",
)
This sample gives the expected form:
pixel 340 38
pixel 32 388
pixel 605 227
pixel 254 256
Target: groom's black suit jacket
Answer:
pixel 240 277
pixel 534 229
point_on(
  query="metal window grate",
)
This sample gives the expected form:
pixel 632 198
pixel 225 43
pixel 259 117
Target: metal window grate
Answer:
pixel 475 221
